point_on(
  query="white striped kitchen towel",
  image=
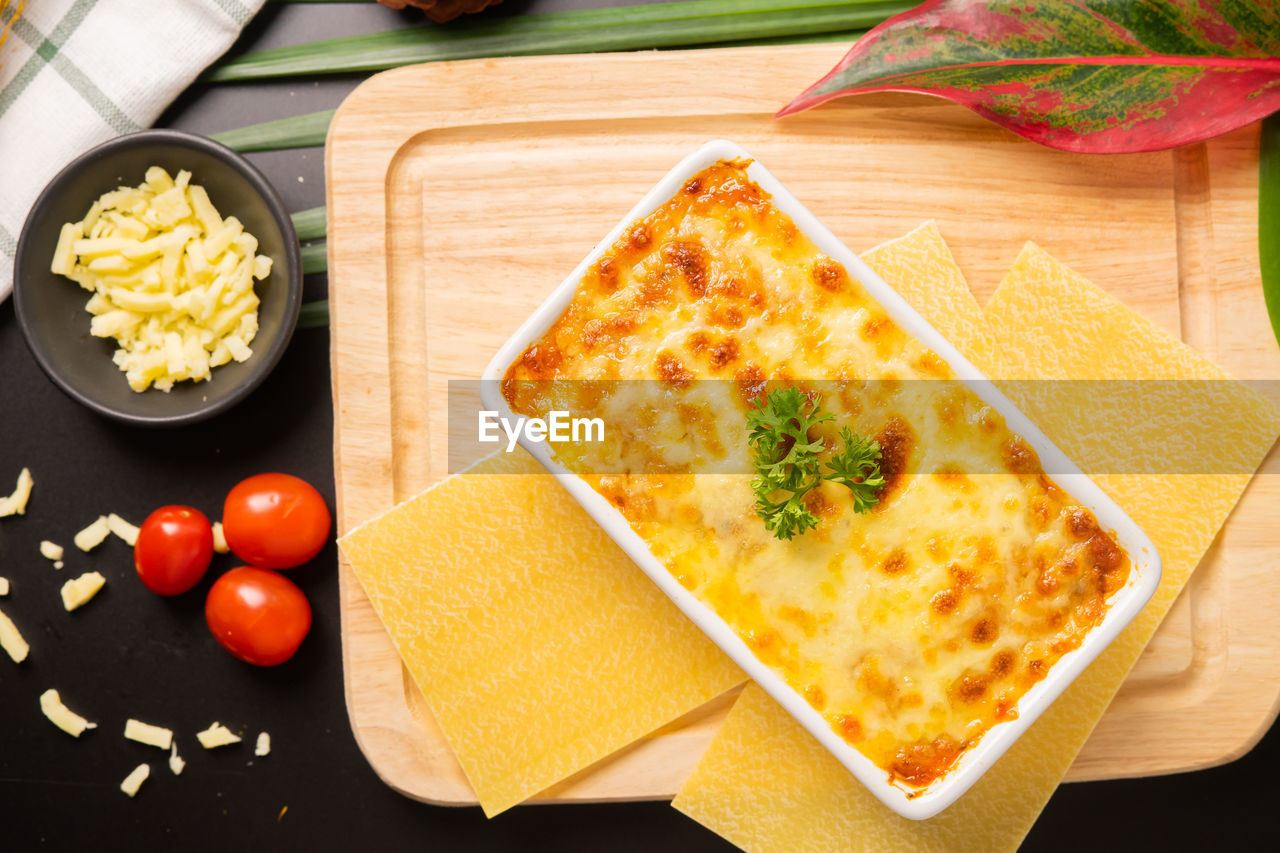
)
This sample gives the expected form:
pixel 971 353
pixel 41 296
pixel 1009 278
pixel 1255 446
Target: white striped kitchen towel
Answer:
pixel 74 73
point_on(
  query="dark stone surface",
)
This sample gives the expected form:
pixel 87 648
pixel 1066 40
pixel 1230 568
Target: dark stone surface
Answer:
pixel 130 653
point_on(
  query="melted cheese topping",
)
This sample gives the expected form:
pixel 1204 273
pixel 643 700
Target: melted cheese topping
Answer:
pixel 913 628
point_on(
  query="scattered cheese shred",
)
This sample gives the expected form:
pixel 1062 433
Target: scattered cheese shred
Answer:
pixel 11 639
pixel 16 503
pixel 134 780
pixel 4 586
pixel 123 529
pixel 219 539
pixel 93 535
pixel 62 716
pixel 78 591
pixel 217 735
pixel 176 764
pixel 263 746
pixel 51 551
pixel 156 736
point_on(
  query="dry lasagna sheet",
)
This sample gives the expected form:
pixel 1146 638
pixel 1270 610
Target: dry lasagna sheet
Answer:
pixel 538 644
pixel 766 785
pixel 920 267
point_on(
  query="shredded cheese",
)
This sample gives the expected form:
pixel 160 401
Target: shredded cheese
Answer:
pixel 16 503
pixel 263 747
pixel 4 586
pixel 51 551
pixel 93 535
pixel 172 280
pixel 78 591
pixel 219 539
pixel 176 764
pixel 11 639
pixel 217 735
pixel 62 716
pixel 123 529
pixel 134 780
pixel 156 736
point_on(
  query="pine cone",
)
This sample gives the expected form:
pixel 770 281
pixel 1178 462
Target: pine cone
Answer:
pixel 442 10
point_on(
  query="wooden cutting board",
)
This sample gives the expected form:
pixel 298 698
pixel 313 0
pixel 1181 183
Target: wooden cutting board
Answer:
pixel 438 173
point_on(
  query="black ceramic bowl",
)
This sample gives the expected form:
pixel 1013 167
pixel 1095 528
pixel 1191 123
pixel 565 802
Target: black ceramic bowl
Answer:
pixel 50 308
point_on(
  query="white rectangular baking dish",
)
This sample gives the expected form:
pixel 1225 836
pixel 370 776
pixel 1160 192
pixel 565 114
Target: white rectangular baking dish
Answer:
pixel 1144 576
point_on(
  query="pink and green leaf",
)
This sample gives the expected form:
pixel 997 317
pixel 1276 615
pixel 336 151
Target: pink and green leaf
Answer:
pixel 1093 76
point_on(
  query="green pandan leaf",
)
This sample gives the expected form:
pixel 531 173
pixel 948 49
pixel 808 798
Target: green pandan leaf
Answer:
pixel 1269 218
pixel 636 27
pixel 302 131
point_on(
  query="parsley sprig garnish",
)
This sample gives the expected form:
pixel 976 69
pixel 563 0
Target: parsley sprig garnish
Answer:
pixel 787 462
pixel 858 467
pixel 785 459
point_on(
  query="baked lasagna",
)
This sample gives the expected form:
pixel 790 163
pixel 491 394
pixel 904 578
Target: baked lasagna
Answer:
pixel 913 628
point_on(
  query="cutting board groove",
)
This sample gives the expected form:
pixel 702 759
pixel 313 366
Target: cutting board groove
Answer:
pixel 437 173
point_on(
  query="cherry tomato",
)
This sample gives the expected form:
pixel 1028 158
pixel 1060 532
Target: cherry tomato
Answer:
pixel 174 547
pixel 257 615
pixel 275 521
